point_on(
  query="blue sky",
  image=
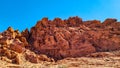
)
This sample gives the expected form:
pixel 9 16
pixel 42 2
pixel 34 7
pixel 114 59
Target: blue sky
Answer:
pixel 22 14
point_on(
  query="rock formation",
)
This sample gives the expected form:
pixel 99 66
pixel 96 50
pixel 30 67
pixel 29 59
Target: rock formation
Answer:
pixel 73 37
pixel 60 39
pixel 13 48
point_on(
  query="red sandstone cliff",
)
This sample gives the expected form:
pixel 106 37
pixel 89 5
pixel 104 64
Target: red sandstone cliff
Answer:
pixel 73 37
pixel 60 39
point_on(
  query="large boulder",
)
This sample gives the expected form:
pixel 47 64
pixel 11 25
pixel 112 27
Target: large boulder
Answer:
pixel 109 21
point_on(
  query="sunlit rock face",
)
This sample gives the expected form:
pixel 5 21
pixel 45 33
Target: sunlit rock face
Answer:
pixel 12 43
pixel 60 39
pixel 14 48
pixel 73 37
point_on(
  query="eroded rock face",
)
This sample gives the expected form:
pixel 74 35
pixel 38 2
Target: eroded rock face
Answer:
pixel 13 47
pixel 10 45
pixel 73 37
pixel 60 39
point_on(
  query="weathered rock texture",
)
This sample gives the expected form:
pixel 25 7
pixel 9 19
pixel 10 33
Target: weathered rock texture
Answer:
pixel 13 48
pixel 73 37
pixel 60 39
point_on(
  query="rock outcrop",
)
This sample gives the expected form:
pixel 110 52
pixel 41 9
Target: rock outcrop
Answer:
pixel 60 39
pixel 51 40
pixel 73 37
pixel 13 48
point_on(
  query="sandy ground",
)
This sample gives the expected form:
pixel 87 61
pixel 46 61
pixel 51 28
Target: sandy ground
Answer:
pixel 112 60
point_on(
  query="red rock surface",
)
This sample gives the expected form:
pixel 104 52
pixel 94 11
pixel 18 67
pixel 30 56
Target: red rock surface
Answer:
pixel 73 37
pixel 60 39
pixel 78 43
pixel 13 46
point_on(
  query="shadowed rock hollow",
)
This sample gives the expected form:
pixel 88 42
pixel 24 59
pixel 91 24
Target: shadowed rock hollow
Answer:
pixel 73 37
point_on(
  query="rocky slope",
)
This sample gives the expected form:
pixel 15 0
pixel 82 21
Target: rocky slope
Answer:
pixel 56 43
pixel 73 37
